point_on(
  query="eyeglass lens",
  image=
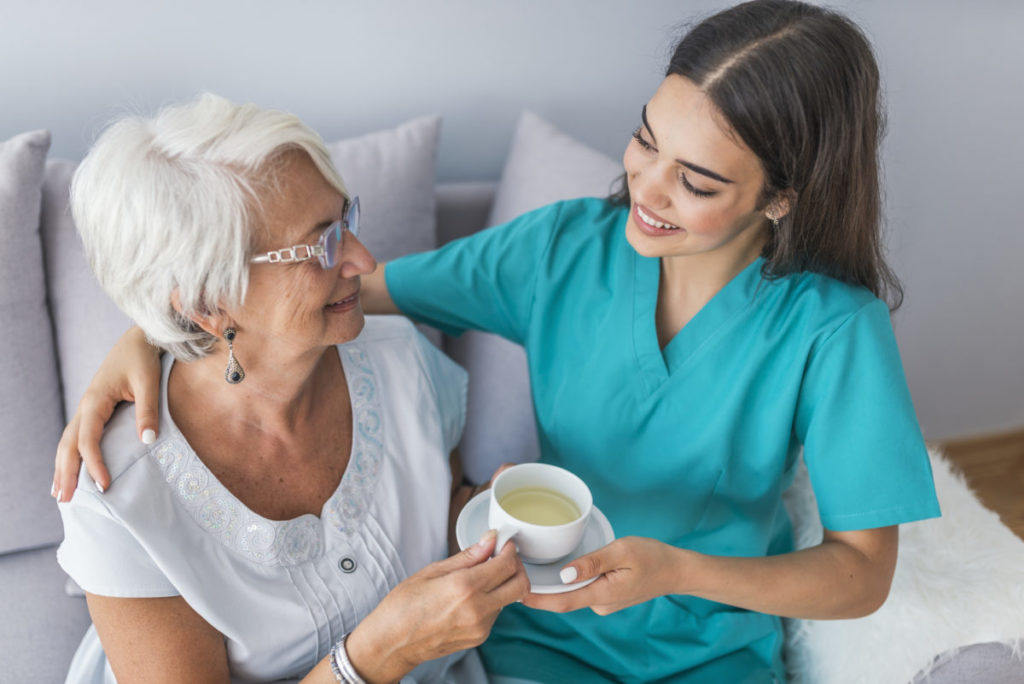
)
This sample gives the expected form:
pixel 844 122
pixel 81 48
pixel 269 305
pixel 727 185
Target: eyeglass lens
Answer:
pixel 334 236
pixel 352 216
pixel 331 240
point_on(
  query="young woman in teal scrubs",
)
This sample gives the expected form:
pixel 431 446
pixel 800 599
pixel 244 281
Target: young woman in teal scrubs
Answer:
pixel 686 340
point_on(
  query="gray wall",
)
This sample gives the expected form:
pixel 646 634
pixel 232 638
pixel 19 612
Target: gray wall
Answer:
pixel 953 73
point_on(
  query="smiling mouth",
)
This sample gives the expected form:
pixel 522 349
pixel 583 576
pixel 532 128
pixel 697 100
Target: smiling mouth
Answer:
pixel 343 302
pixel 654 223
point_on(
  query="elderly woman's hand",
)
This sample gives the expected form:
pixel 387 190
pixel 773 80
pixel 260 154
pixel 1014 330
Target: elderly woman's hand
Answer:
pixel 130 372
pixel 447 606
pixel 462 494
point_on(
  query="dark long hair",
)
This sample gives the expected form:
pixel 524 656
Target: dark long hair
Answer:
pixel 799 85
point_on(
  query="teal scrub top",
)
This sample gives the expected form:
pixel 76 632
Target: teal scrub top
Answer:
pixel 692 444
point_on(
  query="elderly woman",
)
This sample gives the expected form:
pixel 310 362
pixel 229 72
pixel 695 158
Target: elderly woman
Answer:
pixel 302 474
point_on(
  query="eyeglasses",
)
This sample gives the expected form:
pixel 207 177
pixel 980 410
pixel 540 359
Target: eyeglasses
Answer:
pixel 326 248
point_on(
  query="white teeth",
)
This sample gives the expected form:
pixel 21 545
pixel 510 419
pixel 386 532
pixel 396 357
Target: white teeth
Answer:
pixel 342 301
pixel 651 222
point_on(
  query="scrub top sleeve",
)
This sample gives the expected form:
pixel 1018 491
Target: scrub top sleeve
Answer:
pixel 102 556
pixel 862 444
pixel 484 282
pixel 449 382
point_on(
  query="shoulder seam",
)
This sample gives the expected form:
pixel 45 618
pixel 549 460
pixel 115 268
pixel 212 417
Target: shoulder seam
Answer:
pixel 98 499
pixel 846 320
pixel 145 453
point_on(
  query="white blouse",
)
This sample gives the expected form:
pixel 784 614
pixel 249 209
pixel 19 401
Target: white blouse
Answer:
pixel 281 592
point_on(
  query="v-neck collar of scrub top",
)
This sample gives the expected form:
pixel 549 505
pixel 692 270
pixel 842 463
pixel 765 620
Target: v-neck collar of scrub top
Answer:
pixel 656 364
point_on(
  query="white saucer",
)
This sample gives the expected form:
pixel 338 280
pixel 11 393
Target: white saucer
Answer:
pixel 544 579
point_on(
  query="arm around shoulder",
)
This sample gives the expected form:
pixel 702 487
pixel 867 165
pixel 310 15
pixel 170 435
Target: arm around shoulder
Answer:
pixel 130 372
pixel 374 293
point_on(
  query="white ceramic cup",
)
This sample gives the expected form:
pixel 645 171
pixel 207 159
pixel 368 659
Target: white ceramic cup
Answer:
pixel 539 543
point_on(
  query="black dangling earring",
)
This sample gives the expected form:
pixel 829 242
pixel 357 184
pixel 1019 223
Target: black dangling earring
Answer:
pixel 234 373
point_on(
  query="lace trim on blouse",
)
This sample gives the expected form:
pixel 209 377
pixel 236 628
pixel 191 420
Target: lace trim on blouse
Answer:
pixel 285 542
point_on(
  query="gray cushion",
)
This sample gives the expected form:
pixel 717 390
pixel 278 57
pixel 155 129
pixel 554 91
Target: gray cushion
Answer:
pixel 393 173
pixel 499 418
pixel 463 208
pixel 86 322
pixel 544 165
pixel 42 627
pixel 30 419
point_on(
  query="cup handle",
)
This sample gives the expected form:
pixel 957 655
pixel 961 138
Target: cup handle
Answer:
pixel 505 534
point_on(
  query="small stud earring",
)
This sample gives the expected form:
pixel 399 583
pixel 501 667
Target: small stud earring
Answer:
pixel 234 373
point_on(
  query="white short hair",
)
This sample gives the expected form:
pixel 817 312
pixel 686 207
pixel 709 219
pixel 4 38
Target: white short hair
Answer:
pixel 173 202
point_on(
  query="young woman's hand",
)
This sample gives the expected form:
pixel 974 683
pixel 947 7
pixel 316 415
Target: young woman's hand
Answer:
pixel 847 575
pixel 130 372
pixel 629 571
pixel 447 606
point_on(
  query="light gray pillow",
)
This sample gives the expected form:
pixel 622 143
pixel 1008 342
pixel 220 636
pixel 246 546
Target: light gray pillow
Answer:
pixel 86 322
pixel 392 171
pixel 30 417
pixel 544 165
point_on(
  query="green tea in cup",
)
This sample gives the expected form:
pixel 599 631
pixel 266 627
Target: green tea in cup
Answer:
pixel 539 506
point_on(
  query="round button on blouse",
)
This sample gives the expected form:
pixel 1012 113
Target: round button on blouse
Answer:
pixel 347 565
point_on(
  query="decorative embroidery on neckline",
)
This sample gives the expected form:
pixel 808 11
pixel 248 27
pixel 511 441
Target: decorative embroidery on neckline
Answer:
pixel 347 507
pixel 285 542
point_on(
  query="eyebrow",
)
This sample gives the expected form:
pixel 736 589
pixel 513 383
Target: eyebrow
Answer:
pixel 693 167
pixel 319 228
pixel 310 235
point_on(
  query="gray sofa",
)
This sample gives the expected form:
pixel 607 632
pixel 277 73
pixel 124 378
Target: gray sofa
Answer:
pixel 57 325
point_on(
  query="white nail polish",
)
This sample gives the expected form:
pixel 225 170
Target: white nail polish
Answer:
pixel 148 436
pixel 60 494
pixel 99 487
pixel 53 489
pixel 568 574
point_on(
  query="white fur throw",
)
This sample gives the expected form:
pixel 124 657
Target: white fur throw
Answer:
pixel 959 581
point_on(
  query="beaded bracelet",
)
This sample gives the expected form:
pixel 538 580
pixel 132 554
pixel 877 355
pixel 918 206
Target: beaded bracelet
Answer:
pixel 341 666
